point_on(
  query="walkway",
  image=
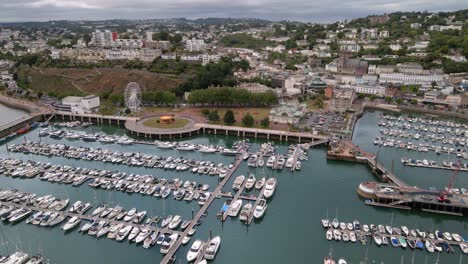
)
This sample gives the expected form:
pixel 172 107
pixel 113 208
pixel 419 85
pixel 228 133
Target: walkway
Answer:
pixel 201 212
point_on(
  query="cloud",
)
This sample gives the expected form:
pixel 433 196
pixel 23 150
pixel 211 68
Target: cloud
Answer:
pixel 299 10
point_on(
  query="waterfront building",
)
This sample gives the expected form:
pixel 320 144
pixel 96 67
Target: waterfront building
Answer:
pixel 288 113
pixel 79 105
pixel 342 99
pixel 317 84
pixel 402 78
pixel 370 89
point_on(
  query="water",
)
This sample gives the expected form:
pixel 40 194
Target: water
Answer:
pixel 290 232
pixel 8 114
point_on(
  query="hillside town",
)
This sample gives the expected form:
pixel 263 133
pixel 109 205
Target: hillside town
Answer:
pixel 320 74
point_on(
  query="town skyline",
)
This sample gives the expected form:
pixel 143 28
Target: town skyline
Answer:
pixel 315 12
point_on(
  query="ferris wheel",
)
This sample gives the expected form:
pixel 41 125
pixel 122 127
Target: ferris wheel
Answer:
pixel 133 96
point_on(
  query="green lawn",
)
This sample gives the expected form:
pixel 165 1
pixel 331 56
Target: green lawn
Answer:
pixel 154 122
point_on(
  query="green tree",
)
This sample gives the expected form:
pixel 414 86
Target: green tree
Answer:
pixel 414 101
pixel 399 101
pixel 87 39
pixel 372 97
pixel 248 120
pixel 205 112
pixel 213 116
pixel 388 99
pixel 127 111
pixel 265 122
pixel 229 118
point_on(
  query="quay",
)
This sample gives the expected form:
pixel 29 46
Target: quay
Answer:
pixel 260 196
pixel 91 218
pixel 435 167
pixel 347 151
pixel 201 212
pixel 134 127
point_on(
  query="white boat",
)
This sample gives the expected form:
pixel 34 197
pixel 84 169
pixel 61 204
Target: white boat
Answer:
pixel 150 240
pixel 134 233
pixel 377 240
pixel 168 243
pixel 271 161
pixel 195 250
pixel 329 234
pixel 270 187
pixel 250 182
pixel 238 182
pixel 352 237
pixel 144 233
pixel 245 212
pixel 175 222
pixel 448 236
pixel 99 210
pixel 429 246
pixel 464 247
pixel 166 221
pixel 234 208
pixel 212 248
pixel 260 209
pixel 185 240
pixel 130 215
pixel 260 183
pixel 123 233
pixel 74 221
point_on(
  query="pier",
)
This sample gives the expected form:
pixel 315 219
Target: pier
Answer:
pixel 435 167
pixel 201 212
pixel 235 198
pixel 260 196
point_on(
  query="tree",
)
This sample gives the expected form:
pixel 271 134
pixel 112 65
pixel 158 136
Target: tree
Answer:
pixel 127 111
pixel 265 122
pixel 388 99
pixel 213 116
pixel 229 118
pixel 39 95
pixel 399 101
pixel 205 112
pixel 248 120
pixel 87 39
pixel 372 97
pixel 414 101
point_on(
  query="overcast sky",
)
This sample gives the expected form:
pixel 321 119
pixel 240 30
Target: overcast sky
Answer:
pixel 299 10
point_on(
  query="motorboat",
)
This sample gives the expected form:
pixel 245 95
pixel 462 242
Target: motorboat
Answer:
pixel 403 242
pixel 429 246
pixel 185 240
pixel 175 222
pixel 335 223
pixel 352 237
pixel 150 240
pixel 260 183
pixel 325 223
pixel 234 208
pixel 405 230
pixel 245 212
pixel 212 248
pixel 195 250
pixel 134 233
pixel 130 215
pixel 144 233
pixel 73 222
pixel 270 188
pixel 329 234
pixel 395 241
pixel 377 239
pixel 168 243
pixel 238 182
pixel 260 209
pixel 166 221
pixel 250 182
pixel 123 233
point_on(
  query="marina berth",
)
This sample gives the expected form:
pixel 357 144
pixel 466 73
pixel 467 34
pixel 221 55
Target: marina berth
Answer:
pixel 270 187
pixel 212 248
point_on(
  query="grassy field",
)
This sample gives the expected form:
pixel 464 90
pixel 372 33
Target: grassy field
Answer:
pixel 154 122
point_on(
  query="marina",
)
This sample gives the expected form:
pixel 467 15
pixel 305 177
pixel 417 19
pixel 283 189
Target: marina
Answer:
pixel 291 188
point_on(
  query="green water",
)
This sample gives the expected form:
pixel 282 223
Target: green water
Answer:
pixel 290 232
pixel 8 114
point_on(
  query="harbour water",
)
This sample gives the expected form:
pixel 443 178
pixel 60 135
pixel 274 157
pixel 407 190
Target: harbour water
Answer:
pixel 8 114
pixel 290 232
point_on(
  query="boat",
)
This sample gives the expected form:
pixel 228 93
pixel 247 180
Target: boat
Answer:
pixel 212 248
pixel 395 241
pixel 429 246
pixel 456 237
pixel 234 208
pixel 166 221
pixel 335 223
pixel 195 250
pixel 160 239
pixel 403 242
pixel 73 222
pixel 144 233
pixel 175 222
pixel 270 188
pixel 130 215
pixel 405 230
pixel 325 223
pixel 245 212
pixel 250 182
pixel 123 233
pixel 447 236
pixel 260 183
pixel 352 237
pixel 150 240
pixel 329 234
pixel 356 225
pixel 168 243
pixel 23 130
pixel 377 239
pixel 389 229
pixel 342 261
pixel 133 233
pixel 99 209
pixel 185 240
pixel 23 213
pixel 464 248
pixel 260 209
pixel 238 182
pixel 37 259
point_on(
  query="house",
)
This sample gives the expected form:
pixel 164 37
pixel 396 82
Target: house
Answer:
pixel 288 113
pixel 345 65
pixel 317 84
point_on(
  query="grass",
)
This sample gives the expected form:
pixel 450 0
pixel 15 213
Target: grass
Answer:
pixel 154 122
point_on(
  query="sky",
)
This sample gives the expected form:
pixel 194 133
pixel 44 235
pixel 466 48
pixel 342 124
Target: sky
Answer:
pixel 294 10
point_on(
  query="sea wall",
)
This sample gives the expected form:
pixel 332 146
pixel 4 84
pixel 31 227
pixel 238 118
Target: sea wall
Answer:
pixel 17 104
pixel 417 110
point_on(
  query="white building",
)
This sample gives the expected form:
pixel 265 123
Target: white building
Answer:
pixel 442 28
pixel 79 105
pixel 195 45
pixel 370 89
pixel 420 45
pixel 402 78
pixel 103 38
pixel 415 25
pixel 350 47
pixel 395 47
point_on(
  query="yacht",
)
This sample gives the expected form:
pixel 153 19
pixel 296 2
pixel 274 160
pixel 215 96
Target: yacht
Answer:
pixel 123 233
pixel 195 250
pixel 260 209
pixel 238 182
pixel 260 183
pixel 245 212
pixel 145 232
pixel 270 188
pixel 168 243
pixel 212 248
pixel 234 208
pixel 175 222
pixel 271 161
pixel 130 215
pixel 166 221
pixel 134 233
pixel 150 240
pixel 250 182
pixel 74 221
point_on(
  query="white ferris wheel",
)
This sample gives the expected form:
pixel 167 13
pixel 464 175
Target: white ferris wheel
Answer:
pixel 133 97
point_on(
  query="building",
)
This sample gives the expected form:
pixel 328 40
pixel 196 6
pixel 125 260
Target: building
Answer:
pixel 410 68
pixel 162 45
pixel 342 99
pixel 415 25
pixel 345 65
pixel 350 48
pixel 103 38
pixel 255 87
pixel 370 89
pixel 395 47
pixel 401 78
pixel 79 105
pixel 193 45
pixel 442 28
pixel 280 81
pixel 317 84
pixel 379 19
pixel 288 113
